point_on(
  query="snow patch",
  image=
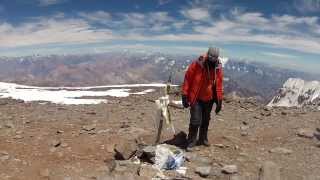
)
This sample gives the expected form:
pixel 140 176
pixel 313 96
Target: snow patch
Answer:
pixel 69 95
pixel 223 60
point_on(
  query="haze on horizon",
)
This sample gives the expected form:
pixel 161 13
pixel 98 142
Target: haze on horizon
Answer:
pixel 285 34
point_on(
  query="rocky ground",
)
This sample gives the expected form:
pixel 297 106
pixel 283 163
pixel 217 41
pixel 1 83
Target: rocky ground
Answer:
pixel 41 140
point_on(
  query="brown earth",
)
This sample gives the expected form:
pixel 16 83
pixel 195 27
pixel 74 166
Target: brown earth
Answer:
pixel 48 141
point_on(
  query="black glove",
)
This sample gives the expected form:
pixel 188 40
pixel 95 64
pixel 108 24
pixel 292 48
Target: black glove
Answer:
pixel 218 106
pixel 185 102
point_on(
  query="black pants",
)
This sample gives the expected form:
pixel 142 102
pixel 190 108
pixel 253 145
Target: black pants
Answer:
pixel 200 113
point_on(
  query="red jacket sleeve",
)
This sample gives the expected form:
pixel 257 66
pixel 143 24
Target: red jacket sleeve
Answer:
pixel 219 82
pixel 188 80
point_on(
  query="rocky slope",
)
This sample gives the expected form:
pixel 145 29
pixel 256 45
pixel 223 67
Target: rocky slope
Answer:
pixel 67 142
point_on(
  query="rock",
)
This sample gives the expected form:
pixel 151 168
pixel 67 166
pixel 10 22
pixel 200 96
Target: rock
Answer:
pixel 306 133
pixel 244 133
pixel 4 156
pixel 64 145
pixel 55 143
pixel 269 171
pixel 125 151
pixel 59 132
pixel 203 171
pixel 267 113
pixel 284 113
pixel 267 108
pixel 89 127
pixel 44 173
pixel 9 125
pixel 148 154
pixel 280 150
pixel 244 127
pixel 18 137
pixel 147 171
pixel 110 148
pixel 230 169
pixel 199 160
pixel 220 145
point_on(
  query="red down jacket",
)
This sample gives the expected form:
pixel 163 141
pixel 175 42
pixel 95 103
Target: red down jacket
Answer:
pixel 194 79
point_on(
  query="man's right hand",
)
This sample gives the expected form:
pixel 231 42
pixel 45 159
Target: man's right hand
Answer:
pixel 185 102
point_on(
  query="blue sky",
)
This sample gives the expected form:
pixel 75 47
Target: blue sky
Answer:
pixel 282 33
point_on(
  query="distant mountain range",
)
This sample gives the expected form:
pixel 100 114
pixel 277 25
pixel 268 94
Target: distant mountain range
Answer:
pixel 242 78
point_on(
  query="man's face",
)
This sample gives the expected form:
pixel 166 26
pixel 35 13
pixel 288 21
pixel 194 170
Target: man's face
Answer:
pixel 212 60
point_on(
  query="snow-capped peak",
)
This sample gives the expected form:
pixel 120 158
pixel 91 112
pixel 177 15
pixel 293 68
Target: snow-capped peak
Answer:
pixel 297 92
pixel 223 60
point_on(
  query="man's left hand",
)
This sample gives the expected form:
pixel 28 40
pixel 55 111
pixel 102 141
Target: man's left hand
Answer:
pixel 218 106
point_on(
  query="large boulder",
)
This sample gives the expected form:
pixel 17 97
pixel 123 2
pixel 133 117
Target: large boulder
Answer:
pixel 124 151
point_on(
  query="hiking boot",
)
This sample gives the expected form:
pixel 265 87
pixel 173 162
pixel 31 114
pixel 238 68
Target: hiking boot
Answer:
pixel 192 137
pixel 203 137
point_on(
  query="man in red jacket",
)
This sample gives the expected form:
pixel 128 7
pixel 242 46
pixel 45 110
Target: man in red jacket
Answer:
pixel 202 87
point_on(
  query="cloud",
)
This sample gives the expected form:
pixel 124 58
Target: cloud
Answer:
pixel 279 55
pixel 196 14
pixel 278 31
pixel 305 6
pixel 51 30
pixel 98 16
pixel 50 2
pixel 163 2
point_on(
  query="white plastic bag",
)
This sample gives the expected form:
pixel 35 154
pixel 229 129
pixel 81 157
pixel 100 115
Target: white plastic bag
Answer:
pixel 168 157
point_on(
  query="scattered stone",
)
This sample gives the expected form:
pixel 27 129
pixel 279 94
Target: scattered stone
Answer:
pixel 267 108
pixel 91 113
pixel 18 137
pixel 4 156
pixel 55 143
pixel 203 171
pixel 64 145
pixel 269 171
pixel 230 169
pixel 147 171
pixel 59 132
pixel 44 173
pixel 89 127
pixel 245 123
pixel 284 113
pixel 244 127
pixel 306 133
pixel 26 122
pixel 257 117
pixel 244 133
pixel 280 150
pixel 103 131
pixel 9 125
pixel 110 148
pixel 220 145
pixel 266 113
pixel 125 151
